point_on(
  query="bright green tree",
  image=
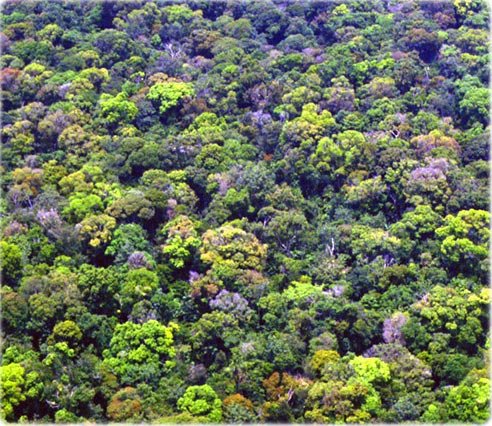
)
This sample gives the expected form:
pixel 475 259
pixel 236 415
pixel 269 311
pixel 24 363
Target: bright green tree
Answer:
pixel 117 109
pixel 202 401
pixel 182 239
pixel 10 262
pixel 465 238
pixel 140 352
pixel 16 387
pixel 168 94
pixel 470 401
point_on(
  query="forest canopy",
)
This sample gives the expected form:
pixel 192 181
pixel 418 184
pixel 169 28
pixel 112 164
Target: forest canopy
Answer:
pixel 245 212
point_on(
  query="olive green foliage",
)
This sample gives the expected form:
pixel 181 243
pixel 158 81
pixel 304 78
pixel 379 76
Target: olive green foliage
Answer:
pixel 11 262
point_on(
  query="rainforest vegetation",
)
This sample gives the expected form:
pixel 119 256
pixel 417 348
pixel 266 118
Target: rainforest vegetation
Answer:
pixel 245 211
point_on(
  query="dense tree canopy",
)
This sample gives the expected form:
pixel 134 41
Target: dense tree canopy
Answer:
pixel 256 211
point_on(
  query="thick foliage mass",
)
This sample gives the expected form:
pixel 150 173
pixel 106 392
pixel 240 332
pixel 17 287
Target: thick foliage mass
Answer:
pixel 245 211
